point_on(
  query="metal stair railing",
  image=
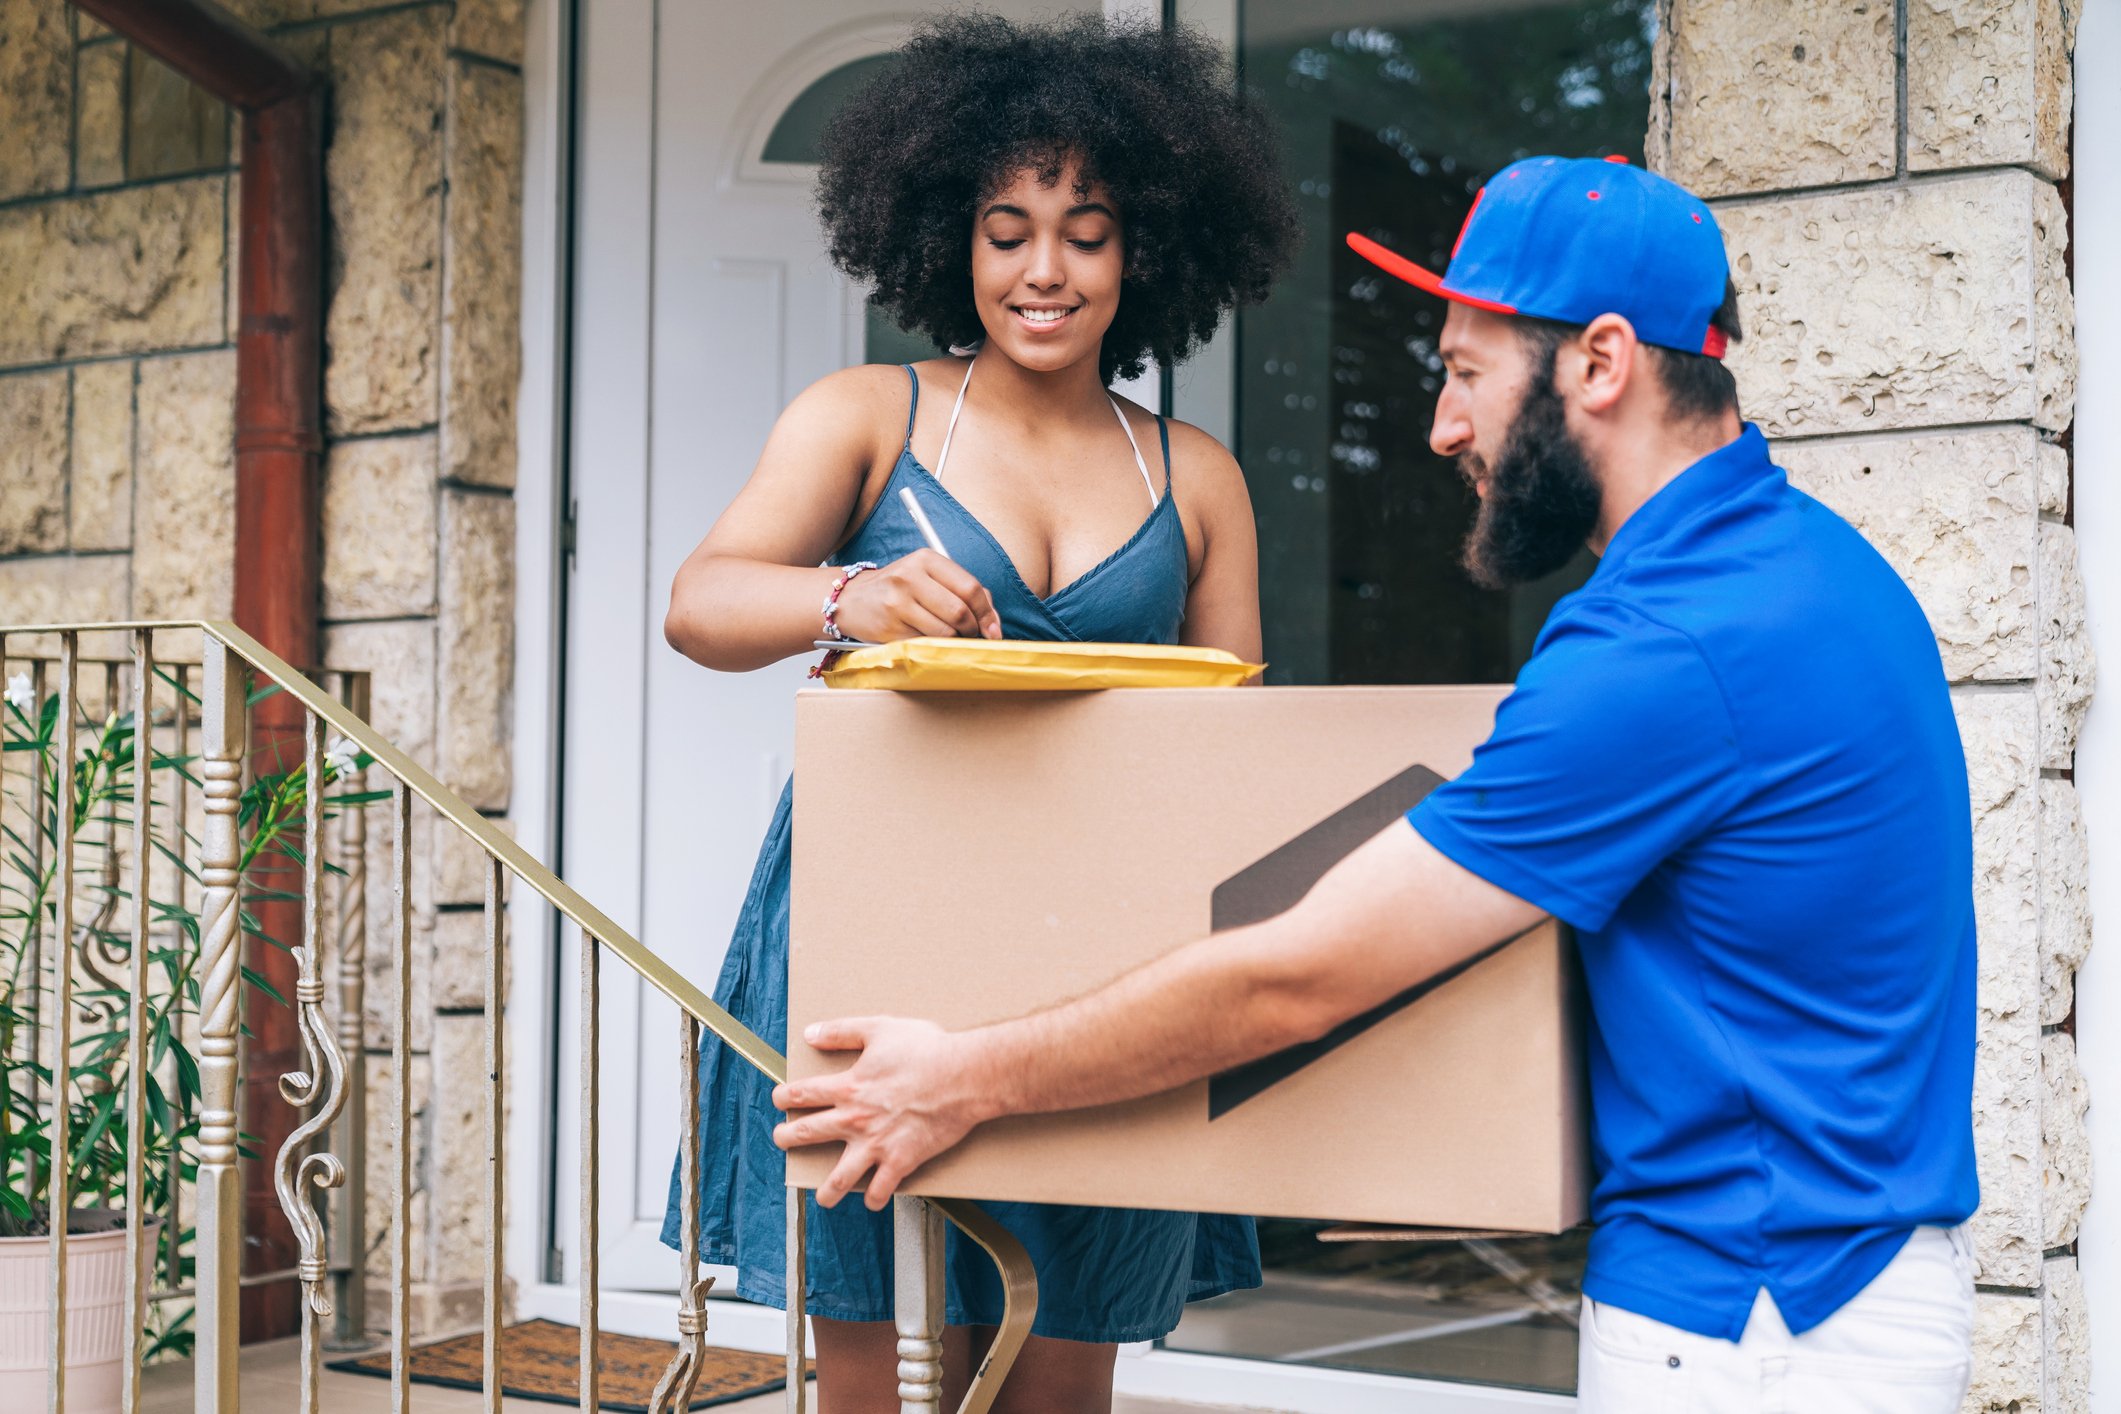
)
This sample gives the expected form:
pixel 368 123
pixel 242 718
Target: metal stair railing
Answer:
pixel 326 1153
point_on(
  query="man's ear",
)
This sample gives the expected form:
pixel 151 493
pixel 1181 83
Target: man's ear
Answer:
pixel 1611 357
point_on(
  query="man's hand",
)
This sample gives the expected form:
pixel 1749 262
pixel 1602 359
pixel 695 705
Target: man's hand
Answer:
pixel 912 1095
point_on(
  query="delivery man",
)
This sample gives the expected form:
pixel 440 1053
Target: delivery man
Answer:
pixel 1731 764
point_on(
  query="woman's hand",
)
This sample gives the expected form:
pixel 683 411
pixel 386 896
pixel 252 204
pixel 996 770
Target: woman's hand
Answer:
pixel 925 595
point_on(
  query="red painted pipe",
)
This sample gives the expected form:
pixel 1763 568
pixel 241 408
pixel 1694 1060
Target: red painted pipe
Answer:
pixel 279 455
pixel 279 304
pixel 279 382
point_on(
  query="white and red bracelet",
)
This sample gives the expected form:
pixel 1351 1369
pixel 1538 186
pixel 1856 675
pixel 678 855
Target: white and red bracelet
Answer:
pixel 846 577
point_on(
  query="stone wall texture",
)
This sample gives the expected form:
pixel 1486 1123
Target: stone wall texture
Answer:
pixel 118 192
pixel 1886 178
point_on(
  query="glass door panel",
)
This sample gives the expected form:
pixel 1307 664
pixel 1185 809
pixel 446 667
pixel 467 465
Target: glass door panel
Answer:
pixel 1392 113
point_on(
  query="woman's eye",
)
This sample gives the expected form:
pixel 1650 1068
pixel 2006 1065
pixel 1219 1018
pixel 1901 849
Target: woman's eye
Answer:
pixel 1098 244
pixel 1000 244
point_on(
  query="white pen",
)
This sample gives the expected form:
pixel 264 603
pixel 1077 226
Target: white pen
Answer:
pixel 912 503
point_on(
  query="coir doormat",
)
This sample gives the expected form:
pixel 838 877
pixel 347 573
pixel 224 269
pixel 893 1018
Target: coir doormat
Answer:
pixel 542 1360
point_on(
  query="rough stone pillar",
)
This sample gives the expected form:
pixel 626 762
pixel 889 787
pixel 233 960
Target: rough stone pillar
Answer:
pixel 1886 175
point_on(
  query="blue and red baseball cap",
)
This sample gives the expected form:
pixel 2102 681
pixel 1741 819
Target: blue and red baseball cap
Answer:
pixel 1571 239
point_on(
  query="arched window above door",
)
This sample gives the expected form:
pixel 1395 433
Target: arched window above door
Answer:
pixel 797 131
pixel 794 141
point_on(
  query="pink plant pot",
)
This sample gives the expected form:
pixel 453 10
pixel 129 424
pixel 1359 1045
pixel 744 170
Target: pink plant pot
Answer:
pixel 95 1319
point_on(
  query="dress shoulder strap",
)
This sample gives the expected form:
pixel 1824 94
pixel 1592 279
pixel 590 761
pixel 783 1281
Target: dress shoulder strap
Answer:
pixel 1163 431
pixel 942 458
pixel 915 380
pixel 1140 465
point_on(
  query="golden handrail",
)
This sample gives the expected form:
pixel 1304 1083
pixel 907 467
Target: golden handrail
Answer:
pixel 1019 1281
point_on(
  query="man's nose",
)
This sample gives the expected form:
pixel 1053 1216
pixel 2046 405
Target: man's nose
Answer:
pixel 1452 431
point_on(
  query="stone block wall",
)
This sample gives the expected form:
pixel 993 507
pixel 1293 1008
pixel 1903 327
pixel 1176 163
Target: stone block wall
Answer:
pixel 118 196
pixel 1887 174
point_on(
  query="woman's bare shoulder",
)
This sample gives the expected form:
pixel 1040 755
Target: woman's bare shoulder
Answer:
pixel 1194 454
pixel 1203 471
pixel 852 399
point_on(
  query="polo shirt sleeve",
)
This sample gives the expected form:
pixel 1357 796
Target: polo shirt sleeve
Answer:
pixel 1615 750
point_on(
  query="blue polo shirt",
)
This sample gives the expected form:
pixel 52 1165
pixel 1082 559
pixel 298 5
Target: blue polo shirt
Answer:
pixel 1732 765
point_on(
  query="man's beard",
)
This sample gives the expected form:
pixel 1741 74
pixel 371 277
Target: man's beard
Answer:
pixel 1541 501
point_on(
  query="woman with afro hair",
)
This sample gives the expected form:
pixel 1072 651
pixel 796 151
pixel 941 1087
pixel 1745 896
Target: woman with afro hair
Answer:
pixel 1054 205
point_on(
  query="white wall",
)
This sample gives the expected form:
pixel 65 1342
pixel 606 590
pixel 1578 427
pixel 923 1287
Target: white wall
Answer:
pixel 2096 233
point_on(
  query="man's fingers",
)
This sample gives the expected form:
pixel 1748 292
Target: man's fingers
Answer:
pixel 845 1174
pixel 820 1092
pixel 849 1033
pixel 890 1173
pixel 813 1129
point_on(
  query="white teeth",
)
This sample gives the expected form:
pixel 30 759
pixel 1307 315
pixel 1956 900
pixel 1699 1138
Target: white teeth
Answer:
pixel 1043 316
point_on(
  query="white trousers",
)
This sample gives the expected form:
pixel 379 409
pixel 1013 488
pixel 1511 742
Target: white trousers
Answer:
pixel 1901 1346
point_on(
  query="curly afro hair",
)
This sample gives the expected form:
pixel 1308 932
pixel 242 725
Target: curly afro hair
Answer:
pixel 1154 114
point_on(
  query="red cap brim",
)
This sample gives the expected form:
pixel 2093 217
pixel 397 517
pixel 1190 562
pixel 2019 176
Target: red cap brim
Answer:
pixel 1401 268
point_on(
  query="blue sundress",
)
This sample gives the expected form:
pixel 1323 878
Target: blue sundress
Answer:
pixel 1105 1275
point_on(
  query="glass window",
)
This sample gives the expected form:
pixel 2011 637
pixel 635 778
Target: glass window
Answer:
pixel 884 342
pixel 795 138
pixel 1390 125
pixel 796 133
pixel 1389 128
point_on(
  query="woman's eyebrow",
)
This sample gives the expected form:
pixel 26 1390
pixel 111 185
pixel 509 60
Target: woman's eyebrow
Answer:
pixel 1088 208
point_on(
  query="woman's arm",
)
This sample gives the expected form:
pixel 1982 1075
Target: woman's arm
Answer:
pixel 752 592
pixel 1222 607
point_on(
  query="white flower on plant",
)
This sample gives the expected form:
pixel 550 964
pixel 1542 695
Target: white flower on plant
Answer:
pixel 341 756
pixel 20 694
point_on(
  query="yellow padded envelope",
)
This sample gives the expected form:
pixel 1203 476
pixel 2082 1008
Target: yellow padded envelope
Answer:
pixel 981 665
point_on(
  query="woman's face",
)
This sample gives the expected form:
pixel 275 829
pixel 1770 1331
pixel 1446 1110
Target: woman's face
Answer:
pixel 1046 264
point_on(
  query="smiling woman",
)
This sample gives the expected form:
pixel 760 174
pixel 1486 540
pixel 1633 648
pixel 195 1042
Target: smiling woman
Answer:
pixel 1053 204
pixel 1153 116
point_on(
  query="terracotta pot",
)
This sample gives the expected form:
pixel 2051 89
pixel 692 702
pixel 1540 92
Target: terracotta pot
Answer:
pixel 95 1318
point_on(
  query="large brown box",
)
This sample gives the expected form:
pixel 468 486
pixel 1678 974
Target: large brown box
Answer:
pixel 970 857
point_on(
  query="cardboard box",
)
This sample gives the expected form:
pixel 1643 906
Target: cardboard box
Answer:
pixel 972 857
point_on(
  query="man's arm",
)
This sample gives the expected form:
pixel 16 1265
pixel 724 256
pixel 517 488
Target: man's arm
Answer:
pixel 1389 916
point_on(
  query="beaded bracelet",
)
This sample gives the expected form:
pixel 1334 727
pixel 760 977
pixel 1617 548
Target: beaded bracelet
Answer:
pixel 839 587
pixel 832 613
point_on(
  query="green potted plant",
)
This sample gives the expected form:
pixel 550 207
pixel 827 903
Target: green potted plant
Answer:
pixel 97 787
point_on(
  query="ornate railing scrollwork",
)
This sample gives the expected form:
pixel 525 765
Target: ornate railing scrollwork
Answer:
pixel 297 1172
pixel 320 1086
pixel 673 1392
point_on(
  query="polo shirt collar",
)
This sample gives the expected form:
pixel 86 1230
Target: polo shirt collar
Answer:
pixel 1717 477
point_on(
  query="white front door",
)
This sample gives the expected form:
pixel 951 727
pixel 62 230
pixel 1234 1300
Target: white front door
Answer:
pixel 703 303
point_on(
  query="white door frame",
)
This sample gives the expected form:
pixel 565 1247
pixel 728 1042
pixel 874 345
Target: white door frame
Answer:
pixel 2096 225
pixel 541 414
pixel 1202 395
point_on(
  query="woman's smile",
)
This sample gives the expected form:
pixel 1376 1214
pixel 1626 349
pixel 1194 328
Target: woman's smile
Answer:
pixel 1043 318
